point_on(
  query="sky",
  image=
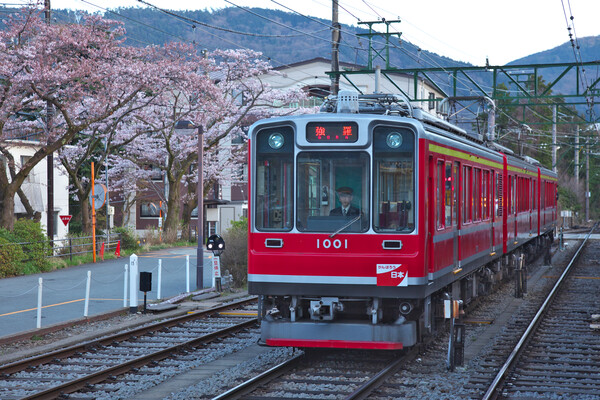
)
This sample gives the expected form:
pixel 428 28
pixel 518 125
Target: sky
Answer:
pixel 464 30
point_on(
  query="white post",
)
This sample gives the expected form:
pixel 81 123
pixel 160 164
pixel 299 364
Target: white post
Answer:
pixel 39 307
pixel 158 294
pixel 133 277
pixel 125 286
pixel 187 274
pixel 87 294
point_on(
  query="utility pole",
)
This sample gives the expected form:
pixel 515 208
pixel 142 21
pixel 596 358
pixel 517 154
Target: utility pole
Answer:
pixel 50 157
pixel 200 221
pixel 336 36
pixel 587 181
pixel 577 156
pixel 554 149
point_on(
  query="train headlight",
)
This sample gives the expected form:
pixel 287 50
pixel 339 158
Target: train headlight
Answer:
pixel 276 140
pixel 394 140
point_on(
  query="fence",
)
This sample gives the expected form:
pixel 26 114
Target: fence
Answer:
pixel 71 246
pixel 103 288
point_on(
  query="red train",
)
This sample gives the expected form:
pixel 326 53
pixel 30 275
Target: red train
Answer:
pixel 432 213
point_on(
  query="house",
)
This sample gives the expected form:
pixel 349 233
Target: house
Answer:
pixel 35 187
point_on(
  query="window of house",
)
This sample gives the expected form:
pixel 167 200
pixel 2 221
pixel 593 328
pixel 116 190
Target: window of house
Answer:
pixel 149 210
pixel 431 103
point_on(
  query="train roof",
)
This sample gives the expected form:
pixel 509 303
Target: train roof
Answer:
pixel 393 105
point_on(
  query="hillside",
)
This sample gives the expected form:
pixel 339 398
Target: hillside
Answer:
pixel 277 34
pixel 287 38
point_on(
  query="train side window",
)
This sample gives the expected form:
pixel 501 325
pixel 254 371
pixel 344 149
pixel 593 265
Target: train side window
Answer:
pixel 467 194
pixel 485 195
pixel 476 194
pixel 448 195
pixel 498 201
pixel 455 180
pixel 513 194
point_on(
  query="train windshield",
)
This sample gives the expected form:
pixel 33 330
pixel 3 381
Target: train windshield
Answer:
pixel 274 179
pixel 333 191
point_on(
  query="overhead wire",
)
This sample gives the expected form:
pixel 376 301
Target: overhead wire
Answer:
pixel 193 21
pixel 576 48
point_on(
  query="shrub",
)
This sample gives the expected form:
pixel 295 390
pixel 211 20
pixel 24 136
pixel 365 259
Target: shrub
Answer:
pixel 11 256
pixel 129 239
pixel 37 249
pixel 235 256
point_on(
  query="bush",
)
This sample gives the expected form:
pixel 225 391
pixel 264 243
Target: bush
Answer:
pixel 129 240
pixel 11 256
pixel 37 249
pixel 235 256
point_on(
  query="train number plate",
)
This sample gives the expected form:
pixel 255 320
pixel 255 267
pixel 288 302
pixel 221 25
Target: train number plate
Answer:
pixel 392 275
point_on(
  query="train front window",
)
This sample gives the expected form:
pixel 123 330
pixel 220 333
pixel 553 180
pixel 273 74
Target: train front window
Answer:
pixel 332 192
pixel 274 179
pixel 393 160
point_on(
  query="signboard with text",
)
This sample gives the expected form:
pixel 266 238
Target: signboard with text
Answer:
pixel 392 275
pixel 65 219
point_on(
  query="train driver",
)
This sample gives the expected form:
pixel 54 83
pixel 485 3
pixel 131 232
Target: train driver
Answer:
pixel 345 196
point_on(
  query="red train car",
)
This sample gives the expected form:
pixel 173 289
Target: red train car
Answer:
pixel 363 221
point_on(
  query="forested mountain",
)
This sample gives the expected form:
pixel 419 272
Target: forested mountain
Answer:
pixel 283 37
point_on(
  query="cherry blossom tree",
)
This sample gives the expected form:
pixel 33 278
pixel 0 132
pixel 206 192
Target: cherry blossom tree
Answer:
pixel 89 79
pixel 238 98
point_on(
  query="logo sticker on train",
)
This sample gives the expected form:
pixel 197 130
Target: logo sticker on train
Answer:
pixel 392 275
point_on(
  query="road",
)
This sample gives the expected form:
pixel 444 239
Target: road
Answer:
pixel 63 291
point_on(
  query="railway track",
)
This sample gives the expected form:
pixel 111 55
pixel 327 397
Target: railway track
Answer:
pixel 72 369
pixel 556 355
pixel 335 374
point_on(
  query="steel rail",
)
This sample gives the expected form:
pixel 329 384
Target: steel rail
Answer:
pixel 99 376
pixel 119 337
pixel 259 380
pixel 365 389
pixel 491 393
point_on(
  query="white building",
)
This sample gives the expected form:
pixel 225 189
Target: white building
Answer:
pixel 35 187
pixel 310 76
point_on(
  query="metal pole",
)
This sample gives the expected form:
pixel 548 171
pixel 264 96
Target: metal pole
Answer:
pixel 577 157
pixel 200 193
pixel 587 181
pixel 554 144
pixel 107 193
pixel 93 216
pixel 50 157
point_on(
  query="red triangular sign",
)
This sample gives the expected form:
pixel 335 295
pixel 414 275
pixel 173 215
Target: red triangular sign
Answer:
pixel 65 219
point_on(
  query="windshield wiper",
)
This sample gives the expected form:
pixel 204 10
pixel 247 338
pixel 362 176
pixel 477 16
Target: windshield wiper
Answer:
pixel 345 226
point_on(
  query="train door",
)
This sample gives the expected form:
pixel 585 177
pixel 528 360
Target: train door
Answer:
pixel 455 208
pixel 491 196
pixel 513 202
pixel 431 206
pixel 530 204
